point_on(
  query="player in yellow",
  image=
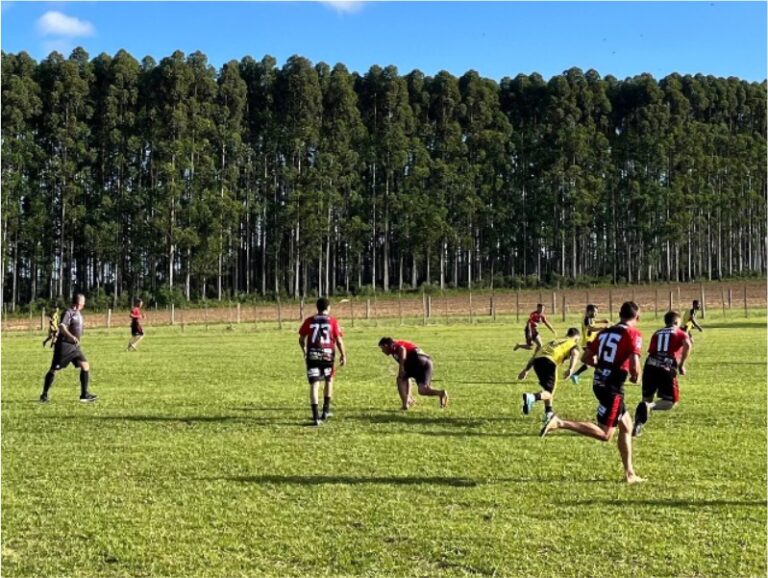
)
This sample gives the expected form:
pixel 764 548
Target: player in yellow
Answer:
pixel 689 319
pixel 589 331
pixel 545 363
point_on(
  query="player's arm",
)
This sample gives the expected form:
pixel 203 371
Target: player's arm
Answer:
pixel 634 368
pixel 696 325
pixel 401 353
pixel 605 322
pixel 574 360
pixel 523 374
pixel 342 351
pixel 687 345
pixel 303 345
pixel 545 322
pixel 589 357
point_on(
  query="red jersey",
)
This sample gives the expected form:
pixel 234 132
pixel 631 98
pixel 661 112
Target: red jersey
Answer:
pixel 535 319
pixel 667 345
pixel 615 346
pixel 135 314
pixel 409 347
pixel 323 333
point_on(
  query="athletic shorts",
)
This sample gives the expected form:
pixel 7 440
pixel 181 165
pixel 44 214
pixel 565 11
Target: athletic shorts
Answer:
pixel 546 371
pixel 420 370
pixel 608 387
pixel 320 371
pixel 66 353
pixel 136 329
pixel 661 381
pixel 530 334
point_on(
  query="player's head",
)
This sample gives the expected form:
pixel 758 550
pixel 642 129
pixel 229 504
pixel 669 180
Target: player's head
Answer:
pixel 696 305
pixel 671 318
pixel 540 307
pixel 323 305
pixel 591 310
pixel 572 332
pixel 78 301
pixel 629 311
pixel 385 344
pixel 138 302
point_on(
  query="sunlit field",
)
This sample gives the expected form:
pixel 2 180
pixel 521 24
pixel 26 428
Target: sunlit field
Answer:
pixel 197 461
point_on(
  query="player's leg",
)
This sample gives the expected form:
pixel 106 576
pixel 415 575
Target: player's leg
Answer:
pixel 625 449
pixel 404 391
pixel 536 342
pixel 85 375
pixel 611 405
pixel 48 383
pixel 327 395
pixel 424 382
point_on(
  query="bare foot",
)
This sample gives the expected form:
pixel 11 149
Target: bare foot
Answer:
pixel 444 400
pixel 635 479
pixel 411 401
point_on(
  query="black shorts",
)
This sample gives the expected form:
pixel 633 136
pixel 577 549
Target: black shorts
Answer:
pixel 530 334
pixel 66 353
pixel 608 387
pixel 546 371
pixel 661 381
pixel 320 371
pixel 420 370
pixel 136 329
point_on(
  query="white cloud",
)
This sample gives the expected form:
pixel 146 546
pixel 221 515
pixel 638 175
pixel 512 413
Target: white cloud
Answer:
pixel 340 6
pixel 57 24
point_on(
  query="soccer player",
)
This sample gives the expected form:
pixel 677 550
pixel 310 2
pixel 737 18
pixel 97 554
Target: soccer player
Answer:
pixel 689 319
pixel 614 354
pixel 67 350
pixel 545 363
pixel 532 329
pixel 53 327
pixel 413 364
pixel 589 332
pixel 319 336
pixel 667 353
pixel 137 331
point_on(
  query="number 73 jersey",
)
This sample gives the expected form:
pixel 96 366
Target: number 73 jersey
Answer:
pixel 322 333
pixel 615 346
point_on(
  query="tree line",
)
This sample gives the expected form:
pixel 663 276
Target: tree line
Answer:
pixel 177 181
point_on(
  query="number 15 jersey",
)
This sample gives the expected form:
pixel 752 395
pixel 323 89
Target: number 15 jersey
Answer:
pixel 615 346
pixel 322 333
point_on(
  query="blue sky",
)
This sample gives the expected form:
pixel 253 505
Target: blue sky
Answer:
pixel 495 38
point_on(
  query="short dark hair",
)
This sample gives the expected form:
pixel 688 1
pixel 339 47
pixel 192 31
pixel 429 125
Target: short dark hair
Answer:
pixel 670 316
pixel 76 298
pixel 386 341
pixel 540 305
pixel 695 302
pixel 591 307
pixel 322 304
pixel 628 310
pixel 572 332
pixel 137 302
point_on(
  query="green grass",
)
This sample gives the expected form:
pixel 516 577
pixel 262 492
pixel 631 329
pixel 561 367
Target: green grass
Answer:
pixel 195 462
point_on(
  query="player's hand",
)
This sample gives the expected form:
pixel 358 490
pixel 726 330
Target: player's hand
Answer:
pixel 77 341
pixel 522 375
pixel 681 370
pixel 634 378
pixel 701 330
pixel 343 360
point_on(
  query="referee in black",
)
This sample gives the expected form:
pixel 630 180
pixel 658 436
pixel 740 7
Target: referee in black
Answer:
pixel 68 350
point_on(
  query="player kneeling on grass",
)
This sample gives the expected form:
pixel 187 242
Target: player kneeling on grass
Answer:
pixel 319 336
pixel 545 363
pixel 414 364
pixel 614 354
pixel 667 353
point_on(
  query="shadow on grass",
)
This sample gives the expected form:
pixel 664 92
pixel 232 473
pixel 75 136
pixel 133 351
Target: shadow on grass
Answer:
pixel 739 325
pixel 461 434
pixel 351 480
pixel 665 503
pixel 409 418
pixel 478 382
pixel 188 420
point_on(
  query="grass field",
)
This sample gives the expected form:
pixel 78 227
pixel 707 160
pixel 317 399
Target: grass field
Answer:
pixel 196 462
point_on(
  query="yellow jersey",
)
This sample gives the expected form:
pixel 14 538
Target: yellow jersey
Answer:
pixel 588 331
pixel 557 350
pixel 688 318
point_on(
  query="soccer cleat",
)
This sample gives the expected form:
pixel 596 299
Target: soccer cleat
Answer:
pixel 552 423
pixel 637 430
pixel 88 398
pixel 547 416
pixel 325 416
pixel 43 399
pixel 575 379
pixel 528 401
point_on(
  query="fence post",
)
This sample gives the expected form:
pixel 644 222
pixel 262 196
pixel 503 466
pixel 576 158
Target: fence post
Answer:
pixel 368 308
pixel 722 298
pixel 109 318
pixel 746 310
pixel 471 319
pixel 656 305
pixel 679 300
pixel 517 305
pixel 554 303
pixel 493 306
pixel 279 314
pixel 42 319
pixel 429 306
pixel 400 306
pixel 183 324
pixel 541 297
pixel 670 302
pixel 610 304
pixel 703 303
pixel 238 313
pixel 173 314
pixel 730 298
pixel 445 307
pixel 352 311
pixel 423 308
pixel 205 314
pixel 301 309
pixel 564 306
pixel 375 310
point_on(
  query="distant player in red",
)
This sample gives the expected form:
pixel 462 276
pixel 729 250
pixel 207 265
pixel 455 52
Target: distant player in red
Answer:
pixel 414 364
pixel 667 354
pixel 614 354
pixel 532 336
pixel 137 331
pixel 319 336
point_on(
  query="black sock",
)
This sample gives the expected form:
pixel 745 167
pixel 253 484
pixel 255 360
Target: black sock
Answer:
pixel 548 409
pixel 314 412
pixel 84 375
pixel 48 382
pixel 326 405
pixel 537 396
pixel 582 369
